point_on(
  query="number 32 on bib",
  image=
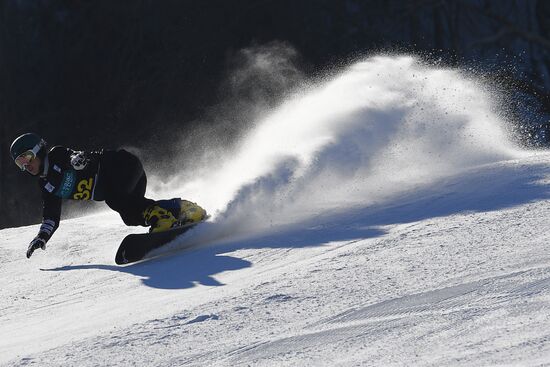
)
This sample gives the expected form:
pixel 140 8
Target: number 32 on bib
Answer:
pixel 84 190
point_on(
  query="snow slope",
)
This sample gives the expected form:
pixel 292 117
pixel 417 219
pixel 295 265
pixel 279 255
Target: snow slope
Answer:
pixel 396 228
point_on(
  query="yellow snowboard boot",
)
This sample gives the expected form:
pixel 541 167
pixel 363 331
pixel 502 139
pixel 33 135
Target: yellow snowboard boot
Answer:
pixel 158 218
pixel 166 214
pixel 191 212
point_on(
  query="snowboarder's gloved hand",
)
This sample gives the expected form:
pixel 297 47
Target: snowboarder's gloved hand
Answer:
pixel 37 242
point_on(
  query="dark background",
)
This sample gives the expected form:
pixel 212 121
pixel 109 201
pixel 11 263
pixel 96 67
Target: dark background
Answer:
pixel 91 73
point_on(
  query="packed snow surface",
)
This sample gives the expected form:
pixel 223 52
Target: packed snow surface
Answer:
pixel 380 217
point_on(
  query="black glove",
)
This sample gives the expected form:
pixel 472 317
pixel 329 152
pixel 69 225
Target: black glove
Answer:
pixel 38 242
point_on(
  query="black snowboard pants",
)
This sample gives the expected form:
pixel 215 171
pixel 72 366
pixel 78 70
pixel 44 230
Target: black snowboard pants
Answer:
pixel 125 184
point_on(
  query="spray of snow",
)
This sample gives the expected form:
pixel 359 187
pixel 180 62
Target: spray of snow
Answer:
pixel 383 126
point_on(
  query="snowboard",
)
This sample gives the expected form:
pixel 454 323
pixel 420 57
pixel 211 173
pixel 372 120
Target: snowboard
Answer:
pixel 135 247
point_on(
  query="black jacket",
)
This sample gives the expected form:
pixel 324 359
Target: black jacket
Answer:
pixel 68 174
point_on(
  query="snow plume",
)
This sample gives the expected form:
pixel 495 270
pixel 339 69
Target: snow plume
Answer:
pixel 261 74
pixel 258 78
pixel 383 126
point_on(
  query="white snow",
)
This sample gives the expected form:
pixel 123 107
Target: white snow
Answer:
pixel 395 227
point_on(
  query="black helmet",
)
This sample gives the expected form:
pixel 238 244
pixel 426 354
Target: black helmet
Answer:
pixel 28 142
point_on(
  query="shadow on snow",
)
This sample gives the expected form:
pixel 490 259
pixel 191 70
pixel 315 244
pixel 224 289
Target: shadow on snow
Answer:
pixel 482 190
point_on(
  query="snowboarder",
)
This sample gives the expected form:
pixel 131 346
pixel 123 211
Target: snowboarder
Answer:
pixel 114 176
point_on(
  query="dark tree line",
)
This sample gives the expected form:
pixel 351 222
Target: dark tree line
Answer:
pixel 106 73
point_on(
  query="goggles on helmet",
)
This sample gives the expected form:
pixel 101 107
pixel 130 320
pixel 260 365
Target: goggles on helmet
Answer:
pixel 25 158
